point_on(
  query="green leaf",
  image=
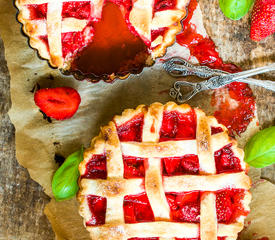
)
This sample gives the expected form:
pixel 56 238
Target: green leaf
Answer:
pixel 64 182
pixel 260 149
pixel 235 9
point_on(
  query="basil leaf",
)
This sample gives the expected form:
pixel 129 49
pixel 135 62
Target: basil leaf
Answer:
pixel 65 179
pixel 260 149
pixel 235 9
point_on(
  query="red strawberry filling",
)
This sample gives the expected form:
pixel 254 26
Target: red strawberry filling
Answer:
pixel 97 207
pixel 71 41
pixel 188 164
pixel 185 207
pixel 235 119
pixel 228 205
pixel 178 126
pixel 161 5
pixel 131 130
pixel 215 130
pixel 96 168
pixel 204 49
pixel 200 47
pixel 133 167
pixel 80 10
pixel 38 11
pixel 74 40
pixel 114 48
pixel 45 40
pixel 226 161
pixel 137 209
pixel 158 32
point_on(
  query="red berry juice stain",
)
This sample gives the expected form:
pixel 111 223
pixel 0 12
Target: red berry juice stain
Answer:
pixel 236 117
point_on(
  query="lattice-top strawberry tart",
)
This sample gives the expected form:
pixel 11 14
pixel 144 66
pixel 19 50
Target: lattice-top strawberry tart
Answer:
pixel 164 172
pixel 101 38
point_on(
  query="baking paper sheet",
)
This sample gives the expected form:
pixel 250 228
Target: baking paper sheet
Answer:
pixel 37 140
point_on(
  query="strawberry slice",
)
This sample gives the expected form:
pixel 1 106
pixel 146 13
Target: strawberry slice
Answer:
pixel 59 103
pixel 263 19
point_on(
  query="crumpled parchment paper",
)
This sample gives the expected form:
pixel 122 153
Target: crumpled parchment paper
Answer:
pixel 37 140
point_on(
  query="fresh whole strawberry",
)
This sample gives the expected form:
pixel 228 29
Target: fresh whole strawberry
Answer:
pixel 59 103
pixel 263 19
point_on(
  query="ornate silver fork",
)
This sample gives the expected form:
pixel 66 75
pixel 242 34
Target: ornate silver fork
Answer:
pixel 178 67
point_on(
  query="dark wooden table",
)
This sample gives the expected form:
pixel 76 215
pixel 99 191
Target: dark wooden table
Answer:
pixel 22 199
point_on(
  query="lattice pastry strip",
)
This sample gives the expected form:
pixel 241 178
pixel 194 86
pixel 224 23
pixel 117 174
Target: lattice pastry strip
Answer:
pixel 155 191
pixel 208 223
pixel 162 229
pixel 54 18
pixel 153 149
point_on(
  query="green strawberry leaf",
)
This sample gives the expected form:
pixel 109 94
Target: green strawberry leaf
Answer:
pixel 260 149
pixel 235 9
pixel 64 182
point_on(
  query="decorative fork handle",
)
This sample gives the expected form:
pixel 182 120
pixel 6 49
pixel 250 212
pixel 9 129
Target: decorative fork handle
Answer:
pixel 178 67
pixel 219 81
pixel 197 87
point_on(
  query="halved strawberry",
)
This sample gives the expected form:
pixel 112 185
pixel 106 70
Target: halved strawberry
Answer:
pixel 263 19
pixel 59 103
